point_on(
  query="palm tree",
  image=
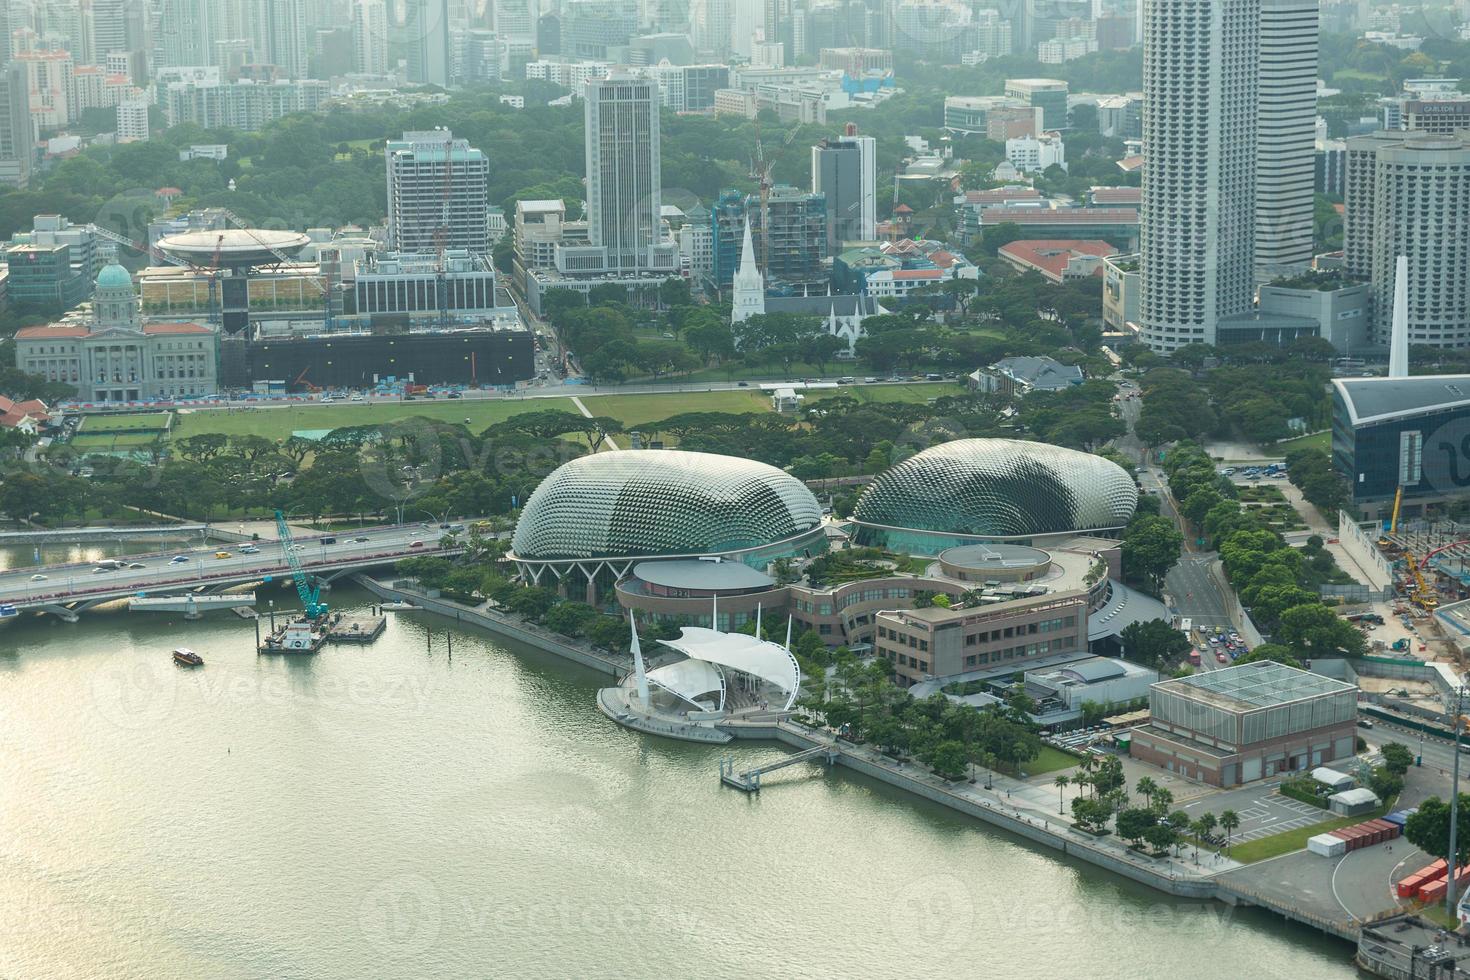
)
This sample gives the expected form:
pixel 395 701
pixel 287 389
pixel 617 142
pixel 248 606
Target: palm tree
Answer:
pixel 1229 820
pixel 1061 782
pixel 1208 823
pixel 1146 788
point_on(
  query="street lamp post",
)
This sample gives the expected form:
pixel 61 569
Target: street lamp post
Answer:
pixel 1449 895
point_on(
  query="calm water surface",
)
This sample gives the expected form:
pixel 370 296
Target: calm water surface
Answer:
pixel 393 811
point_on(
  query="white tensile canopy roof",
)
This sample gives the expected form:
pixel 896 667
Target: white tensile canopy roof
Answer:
pixel 689 680
pixel 771 662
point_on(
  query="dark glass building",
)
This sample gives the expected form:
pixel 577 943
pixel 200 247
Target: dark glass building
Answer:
pixel 480 356
pixel 1409 432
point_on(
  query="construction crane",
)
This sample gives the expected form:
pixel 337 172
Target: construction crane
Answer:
pixel 1422 595
pixel 310 595
pixel 283 259
pixel 1393 521
pixel 760 171
pixel 154 255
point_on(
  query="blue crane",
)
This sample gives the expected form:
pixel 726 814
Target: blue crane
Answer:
pixel 310 595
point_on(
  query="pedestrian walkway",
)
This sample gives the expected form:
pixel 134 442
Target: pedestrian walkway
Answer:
pixel 608 441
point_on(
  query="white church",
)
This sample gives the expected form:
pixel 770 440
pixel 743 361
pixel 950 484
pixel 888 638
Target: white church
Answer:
pixel 844 312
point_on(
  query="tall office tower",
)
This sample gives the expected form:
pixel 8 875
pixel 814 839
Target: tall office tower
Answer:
pixel 1197 220
pixel 437 194
pixel 418 36
pixel 17 135
pixel 286 37
pixel 186 32
pixel 845 170
pixel 514 18
pixel 1408 194
pixel 1286 137
pixel 711 22
pixel 109 28
pixel 623 189
pixel 5 28
pixel 370 37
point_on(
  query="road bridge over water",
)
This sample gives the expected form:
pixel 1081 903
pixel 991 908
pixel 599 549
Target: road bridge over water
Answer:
pixel 68 590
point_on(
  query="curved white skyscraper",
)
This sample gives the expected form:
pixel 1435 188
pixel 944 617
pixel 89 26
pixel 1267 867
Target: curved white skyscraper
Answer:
pixel 1197 221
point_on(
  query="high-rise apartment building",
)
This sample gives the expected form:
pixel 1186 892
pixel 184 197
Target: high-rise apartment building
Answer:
pixel 623 177
pixel 285 32
pixel 845 171
pixel 370 37
pixel 418 36
pixel 437 187
pixel 187 31
pixel 1408 194
pixel 1286 136
pixel 1197 220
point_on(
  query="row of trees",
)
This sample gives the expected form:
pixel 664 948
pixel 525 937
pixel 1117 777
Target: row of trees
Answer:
pixel 1105 799
pixel 1278 583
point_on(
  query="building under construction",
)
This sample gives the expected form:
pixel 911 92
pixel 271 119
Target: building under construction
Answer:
pixel 790 238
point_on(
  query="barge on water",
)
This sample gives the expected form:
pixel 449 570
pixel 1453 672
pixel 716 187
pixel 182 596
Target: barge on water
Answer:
pixel 297 636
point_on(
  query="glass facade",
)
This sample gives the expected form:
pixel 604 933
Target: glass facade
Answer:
pixel 1428 452
pixel 949 494
pixel 666 502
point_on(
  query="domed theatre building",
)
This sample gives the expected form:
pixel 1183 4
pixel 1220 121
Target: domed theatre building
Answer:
pixel 698 524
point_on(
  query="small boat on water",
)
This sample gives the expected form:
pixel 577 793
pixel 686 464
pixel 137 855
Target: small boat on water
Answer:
pixel 398 607
pixel 187 658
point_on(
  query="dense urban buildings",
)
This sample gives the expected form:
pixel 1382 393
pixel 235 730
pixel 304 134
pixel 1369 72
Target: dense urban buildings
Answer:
pixel 1200 102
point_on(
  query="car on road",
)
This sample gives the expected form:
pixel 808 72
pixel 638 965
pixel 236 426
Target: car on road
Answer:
pixel 846 381
pixel 454 394
pixel 38 578
pixel 415 544
pixel 358 398
pixel 223 555
pixel 1364 723
pixel 178 559
pixel 360 540
pixel 742 384
pixel 100 571
pixel 249 549
pixel 870 381
pixel 136 565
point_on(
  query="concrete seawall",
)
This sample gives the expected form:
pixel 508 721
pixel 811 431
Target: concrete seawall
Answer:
pixel 501 626
pixel 1050 833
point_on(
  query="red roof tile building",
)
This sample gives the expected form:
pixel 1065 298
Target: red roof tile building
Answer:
pixel 1058 259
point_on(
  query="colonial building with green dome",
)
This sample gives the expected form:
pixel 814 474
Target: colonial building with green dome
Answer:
pixel 113 356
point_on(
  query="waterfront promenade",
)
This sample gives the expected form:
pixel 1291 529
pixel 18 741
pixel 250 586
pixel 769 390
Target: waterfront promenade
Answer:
pixel 1025 807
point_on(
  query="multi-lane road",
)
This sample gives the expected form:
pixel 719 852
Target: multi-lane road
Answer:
pixel 213 565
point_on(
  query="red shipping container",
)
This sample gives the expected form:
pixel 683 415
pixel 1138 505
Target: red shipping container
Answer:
pixel 1345 833
pixel 1435 871
pixel 1434 891
pixel 1387 830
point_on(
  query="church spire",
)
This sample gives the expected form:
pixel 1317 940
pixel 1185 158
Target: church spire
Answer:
pixel 749 286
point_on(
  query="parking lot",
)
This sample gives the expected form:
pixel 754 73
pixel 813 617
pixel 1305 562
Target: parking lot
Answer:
pixel 1261 809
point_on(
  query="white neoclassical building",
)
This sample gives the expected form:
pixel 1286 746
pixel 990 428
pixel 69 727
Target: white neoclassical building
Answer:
pixel 116 357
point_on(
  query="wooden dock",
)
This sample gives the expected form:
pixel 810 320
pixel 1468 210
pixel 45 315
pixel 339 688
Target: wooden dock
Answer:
pixel 357 629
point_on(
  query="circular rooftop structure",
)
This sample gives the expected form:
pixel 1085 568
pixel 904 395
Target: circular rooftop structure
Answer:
pixel 114 276
pixel 971 489
pixel 667 502
pixel 233 248
pixel 996 562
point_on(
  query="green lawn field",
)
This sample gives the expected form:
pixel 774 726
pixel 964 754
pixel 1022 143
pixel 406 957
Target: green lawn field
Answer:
pixel 1051 760
pixel 1317 440
pixel 279 423
pixel 631 410
pixel 634 410
pixel 150 422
